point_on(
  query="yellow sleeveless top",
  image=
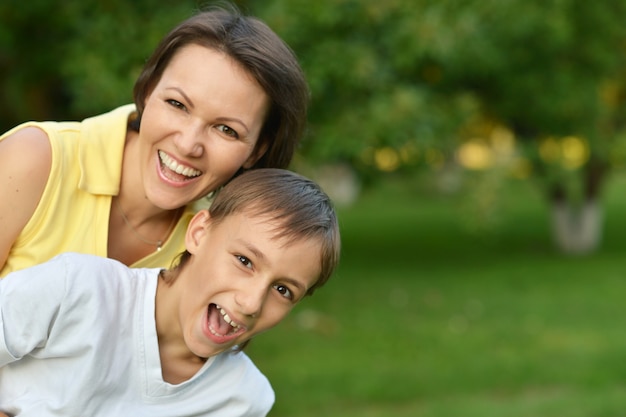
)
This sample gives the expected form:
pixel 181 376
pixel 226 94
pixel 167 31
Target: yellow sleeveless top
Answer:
pixel 73 214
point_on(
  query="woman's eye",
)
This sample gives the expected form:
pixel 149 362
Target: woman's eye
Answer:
pixel 228 131
pixel 284 291
pixel 244 261
pixel 176 104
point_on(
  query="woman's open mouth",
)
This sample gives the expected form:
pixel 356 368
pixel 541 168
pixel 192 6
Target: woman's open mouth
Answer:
pixel 174 170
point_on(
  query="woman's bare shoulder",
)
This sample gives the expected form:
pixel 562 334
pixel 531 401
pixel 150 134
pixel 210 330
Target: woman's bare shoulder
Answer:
pixel 25 161
pixel 29 144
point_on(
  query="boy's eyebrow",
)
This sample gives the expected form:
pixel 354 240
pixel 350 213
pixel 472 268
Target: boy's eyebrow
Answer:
pixel 294 283
pixel 256 252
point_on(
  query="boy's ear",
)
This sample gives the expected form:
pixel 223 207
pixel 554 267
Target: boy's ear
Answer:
pixel 196 230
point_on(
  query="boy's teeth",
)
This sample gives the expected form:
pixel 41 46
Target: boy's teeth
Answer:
pixel 176 167
pixel 227 318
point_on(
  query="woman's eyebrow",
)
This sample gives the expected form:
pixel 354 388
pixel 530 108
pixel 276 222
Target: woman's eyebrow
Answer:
pixel 182 93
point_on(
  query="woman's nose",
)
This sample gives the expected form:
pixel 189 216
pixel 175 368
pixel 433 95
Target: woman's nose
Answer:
pixel 189 143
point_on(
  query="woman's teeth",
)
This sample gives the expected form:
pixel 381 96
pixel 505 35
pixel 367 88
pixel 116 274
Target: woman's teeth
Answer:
pixel 176 167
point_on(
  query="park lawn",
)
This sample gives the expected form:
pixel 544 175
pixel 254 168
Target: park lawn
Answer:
pixel 427 319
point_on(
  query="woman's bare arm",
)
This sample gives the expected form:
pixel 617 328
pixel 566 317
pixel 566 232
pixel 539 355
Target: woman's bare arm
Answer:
pixel 25 161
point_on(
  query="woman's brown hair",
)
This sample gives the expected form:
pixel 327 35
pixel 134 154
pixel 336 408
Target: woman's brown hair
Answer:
pixel 259 51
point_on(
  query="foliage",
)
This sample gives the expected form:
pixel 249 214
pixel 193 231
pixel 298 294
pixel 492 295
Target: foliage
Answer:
pixel 371 78
pixel 70 62
pixel 415 74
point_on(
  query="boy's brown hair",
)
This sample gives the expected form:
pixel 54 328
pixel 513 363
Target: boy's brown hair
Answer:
pixel 298 207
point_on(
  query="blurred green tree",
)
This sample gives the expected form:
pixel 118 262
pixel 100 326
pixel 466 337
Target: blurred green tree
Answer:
pixel 371 77
pixel 70 62
pixel 553 72
pixel 416 75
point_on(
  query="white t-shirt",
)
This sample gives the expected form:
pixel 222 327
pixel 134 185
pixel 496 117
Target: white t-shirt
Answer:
pixel 84 332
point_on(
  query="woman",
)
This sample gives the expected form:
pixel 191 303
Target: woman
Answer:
pixel 220 94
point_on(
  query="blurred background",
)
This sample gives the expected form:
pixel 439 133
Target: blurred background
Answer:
pixel 476 152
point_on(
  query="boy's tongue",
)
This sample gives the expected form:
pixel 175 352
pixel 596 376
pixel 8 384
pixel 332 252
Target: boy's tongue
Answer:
pixel 217 322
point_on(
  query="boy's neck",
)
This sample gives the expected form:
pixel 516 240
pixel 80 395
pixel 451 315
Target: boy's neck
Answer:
pixel 176 369
pixel 178 364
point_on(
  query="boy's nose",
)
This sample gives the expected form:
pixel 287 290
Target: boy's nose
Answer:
pixel 250 300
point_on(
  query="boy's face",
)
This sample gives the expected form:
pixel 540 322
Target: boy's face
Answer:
pixel 240 280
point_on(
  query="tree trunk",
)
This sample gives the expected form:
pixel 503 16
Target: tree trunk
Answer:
pixel 577 230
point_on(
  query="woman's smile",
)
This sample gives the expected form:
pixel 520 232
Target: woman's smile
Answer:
pixel 174 167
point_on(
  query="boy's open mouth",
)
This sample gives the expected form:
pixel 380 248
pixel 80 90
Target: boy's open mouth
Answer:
pixel 220 324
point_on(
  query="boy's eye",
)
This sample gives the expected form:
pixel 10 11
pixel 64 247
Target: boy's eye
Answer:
pixel 284 291
pixel 244 261
pixel 228 131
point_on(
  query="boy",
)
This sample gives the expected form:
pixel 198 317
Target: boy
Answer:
pixel 87 336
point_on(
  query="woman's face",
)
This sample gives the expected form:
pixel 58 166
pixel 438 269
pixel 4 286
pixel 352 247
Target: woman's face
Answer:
pixel 200 125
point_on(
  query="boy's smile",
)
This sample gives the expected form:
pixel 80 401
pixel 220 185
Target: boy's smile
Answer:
pixel 221 327
pixel 240 281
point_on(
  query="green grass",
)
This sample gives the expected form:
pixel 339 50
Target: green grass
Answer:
pixel 426 319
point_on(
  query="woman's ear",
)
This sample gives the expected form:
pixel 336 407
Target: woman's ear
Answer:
pixel 196 230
